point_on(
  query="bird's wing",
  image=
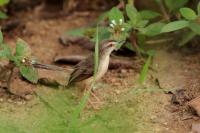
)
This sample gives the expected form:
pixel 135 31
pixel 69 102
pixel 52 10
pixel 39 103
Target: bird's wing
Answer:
pixel 82 70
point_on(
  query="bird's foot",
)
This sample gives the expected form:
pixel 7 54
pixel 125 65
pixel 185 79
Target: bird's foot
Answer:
pixel 94 101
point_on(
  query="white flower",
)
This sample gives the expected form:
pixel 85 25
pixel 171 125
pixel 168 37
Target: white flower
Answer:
pixel 23 60
pixel 112 25
pixel 114 22
pixel 120 21
pixel 122 29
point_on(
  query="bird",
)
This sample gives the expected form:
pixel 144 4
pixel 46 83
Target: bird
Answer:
pixel 84 70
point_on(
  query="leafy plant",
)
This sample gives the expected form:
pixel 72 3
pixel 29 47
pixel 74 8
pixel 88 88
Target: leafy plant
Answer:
pixel 170 7
pixel 22 59
pixel 135 26
pixel 2 3
pixel 190 21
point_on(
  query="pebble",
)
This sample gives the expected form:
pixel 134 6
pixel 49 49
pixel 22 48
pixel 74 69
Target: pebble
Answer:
pixel 28 97
pixel 10 100
pixel 195 127
pixel 123 71
pixel 1 99
pixel 20 102
pixel 117 91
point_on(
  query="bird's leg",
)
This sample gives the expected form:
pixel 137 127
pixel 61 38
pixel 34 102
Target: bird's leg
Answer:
pixel 93 94
pixel 97 101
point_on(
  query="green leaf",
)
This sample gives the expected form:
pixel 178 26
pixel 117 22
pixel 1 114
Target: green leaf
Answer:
pixel 132 14
pixel 29 73
pixel 158 1
pixel 3 15
pixel 186 37
pixel 176 25
pixel 173 5
pixel 103 34
pixel 6 52
pixel 152 29
pixel 142 23
pixel 198 9
pixel 96 55
pixel 188 13
pixel 195 27
pixel 102 17
pixel 1 37
pixel 77 32
pixel 22 49
pixel 115 14
pixel 147 14
pixel 3 2
pixel 144 72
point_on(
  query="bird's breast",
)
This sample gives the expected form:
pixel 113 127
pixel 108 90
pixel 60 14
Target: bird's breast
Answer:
pixel 103 67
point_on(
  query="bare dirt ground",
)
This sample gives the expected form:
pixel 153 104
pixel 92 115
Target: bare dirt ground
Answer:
pixel 127 107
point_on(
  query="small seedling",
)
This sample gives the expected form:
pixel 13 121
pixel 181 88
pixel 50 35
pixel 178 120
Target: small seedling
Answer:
pixel 22 59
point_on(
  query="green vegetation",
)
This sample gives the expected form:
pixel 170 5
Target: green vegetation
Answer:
pixel 22 59
pixel 3 3
pixel 57 110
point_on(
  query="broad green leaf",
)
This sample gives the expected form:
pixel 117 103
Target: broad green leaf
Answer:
pixel 198 9
pixel 152 29
pixel 6 52
pixel 76 32
pixel 3 2
pixel 186 37
pixel 147 14
pixel 176 25
pixel 115 15
pixel 1 37
pixel 188 13
pixel 22 49
pixel 141 39
pixel 195 27
pixel 103 34
pixel 142 23
pixel 132 14
pixel 175 4
pixel 29 73
pixel 3 15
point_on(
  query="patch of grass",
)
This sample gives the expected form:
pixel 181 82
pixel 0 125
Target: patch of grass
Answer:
pixel 73 126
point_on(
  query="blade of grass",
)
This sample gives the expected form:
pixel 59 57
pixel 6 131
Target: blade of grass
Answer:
pixel 73 127
pixel 145 69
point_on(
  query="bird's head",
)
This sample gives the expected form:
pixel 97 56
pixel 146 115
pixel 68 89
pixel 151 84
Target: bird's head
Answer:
pixel 108 46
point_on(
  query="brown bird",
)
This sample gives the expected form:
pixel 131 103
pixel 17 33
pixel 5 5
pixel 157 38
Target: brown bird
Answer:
pixel 84 71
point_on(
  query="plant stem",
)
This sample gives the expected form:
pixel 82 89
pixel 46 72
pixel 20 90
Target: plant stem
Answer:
pixel 11 67
pixel 163 10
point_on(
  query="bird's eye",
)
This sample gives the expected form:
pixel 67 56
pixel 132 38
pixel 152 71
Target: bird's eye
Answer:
pixel 111 44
